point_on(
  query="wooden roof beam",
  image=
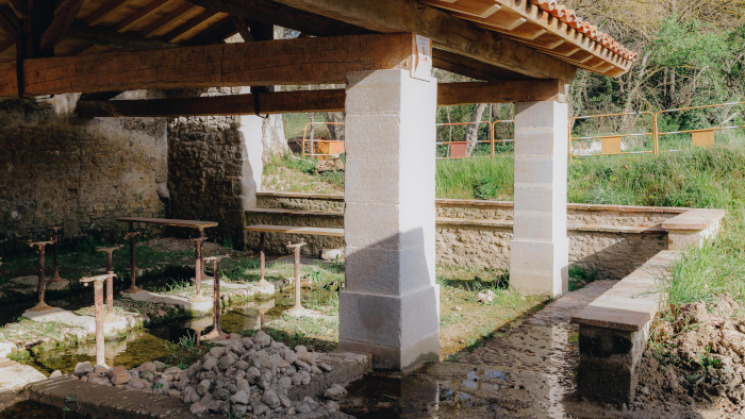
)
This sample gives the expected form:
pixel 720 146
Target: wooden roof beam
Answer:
pixel 9 23
pixel 64 15
pixel 331 100
pixel 448 32
pixel 261 63
pixel 104 10
pixel 99 35
pixel 144 12
pixel 165 20
pixel 174 34
pixel 278 14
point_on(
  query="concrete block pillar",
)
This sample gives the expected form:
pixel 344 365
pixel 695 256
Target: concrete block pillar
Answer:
pixel 539 252
pixel 390 306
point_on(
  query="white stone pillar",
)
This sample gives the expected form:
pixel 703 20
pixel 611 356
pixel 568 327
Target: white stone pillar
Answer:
pixel 539 252
pixel 390 306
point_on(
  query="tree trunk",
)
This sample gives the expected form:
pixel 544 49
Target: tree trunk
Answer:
pixel 472 132
pixel 336 130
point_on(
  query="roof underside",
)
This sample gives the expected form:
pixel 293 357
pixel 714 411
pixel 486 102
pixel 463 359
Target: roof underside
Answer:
pixel 540 24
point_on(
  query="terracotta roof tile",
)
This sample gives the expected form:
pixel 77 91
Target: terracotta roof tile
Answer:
pixel 569 17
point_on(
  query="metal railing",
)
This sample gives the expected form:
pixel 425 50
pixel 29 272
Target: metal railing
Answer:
pixel 610 144
pixel 703 137
pixel 320 148
pixel 459 148
pixel 323 148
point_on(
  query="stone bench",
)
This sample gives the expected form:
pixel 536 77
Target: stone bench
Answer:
pixel 613 329
pixel 692 228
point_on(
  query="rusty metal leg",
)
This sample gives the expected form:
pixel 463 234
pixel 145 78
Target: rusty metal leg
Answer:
pixel 297 309
pixel 41 289
pixel 262 259
pixel 205 277
pixel 100 350
pixel 109 282
pixel 55 276
pixel 98 282
pixel 132 262
pixel 198 269
pixel 216 333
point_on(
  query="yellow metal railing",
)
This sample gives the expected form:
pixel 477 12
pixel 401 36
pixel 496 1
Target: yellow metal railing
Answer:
pixel 457 149
pixel 610 144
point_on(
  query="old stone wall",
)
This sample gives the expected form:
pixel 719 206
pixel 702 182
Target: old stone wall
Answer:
pixel 78 173
pixel 610 240
pixel 205 166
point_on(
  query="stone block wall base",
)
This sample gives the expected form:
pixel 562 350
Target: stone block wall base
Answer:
pixel 607 370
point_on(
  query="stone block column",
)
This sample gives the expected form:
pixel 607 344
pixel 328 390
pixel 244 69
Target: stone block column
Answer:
pixel 390 306
pixel 539 251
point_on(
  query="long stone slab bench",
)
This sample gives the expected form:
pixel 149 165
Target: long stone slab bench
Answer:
pixel 613 331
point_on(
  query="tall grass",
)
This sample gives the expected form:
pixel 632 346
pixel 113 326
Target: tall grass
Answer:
pixel 476 178
pixel 698 178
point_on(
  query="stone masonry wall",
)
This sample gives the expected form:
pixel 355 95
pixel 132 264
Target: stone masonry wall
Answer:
pixel 205 166
pixel 79 173
pixel 478 233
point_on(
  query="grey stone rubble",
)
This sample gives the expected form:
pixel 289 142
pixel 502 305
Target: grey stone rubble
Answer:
pixel 250 376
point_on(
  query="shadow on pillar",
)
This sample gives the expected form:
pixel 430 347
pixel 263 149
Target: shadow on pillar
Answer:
pixel 390 305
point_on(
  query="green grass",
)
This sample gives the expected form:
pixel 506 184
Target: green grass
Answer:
pixel 694 177
pixel 476 178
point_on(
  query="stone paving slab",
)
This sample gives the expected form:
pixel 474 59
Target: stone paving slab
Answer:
pixel 97 401
pixel 13 376
pixel 112 326
pixel 206 306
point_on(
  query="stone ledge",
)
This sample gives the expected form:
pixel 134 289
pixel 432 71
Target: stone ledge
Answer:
pixel 633 302
pixel 470 222
pixel 695 220
pixel 613 331
pixel 97 401
pixel 496 204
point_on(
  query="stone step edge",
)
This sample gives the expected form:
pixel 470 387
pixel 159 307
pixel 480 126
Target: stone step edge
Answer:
pixel 496 204
pixel 468 222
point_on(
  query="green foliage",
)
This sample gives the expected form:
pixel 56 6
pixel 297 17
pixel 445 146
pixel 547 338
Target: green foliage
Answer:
pixel 477 177
pixel 185 351
pixel 580 276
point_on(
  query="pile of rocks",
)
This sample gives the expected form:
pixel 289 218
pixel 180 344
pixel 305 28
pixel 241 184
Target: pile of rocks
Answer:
pixel 250 376
pixel 154 377
pixel 255 376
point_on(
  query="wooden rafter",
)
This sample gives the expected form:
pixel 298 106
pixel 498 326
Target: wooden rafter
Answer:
pixel 143 13
pixel 314 101
pixel 278 14
pixel 20 8
pixel 99 35
pixel 9 23
pixel 177 32
pixel 156 25
pixel 447 32
pixel 216 33
pixel 261 63
pixel 6 45
pixel 104 10
pixel 64 15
